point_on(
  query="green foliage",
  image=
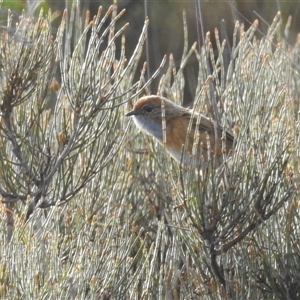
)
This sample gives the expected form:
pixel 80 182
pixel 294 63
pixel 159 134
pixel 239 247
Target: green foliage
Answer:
pixel 111 216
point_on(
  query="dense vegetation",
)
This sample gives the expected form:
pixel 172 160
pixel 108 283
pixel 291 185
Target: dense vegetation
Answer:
pixel 93 209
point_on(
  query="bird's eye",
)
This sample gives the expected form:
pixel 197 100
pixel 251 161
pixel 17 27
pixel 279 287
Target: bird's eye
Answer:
pixel 147 108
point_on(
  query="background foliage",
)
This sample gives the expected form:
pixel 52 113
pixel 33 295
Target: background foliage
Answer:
pixel 109 214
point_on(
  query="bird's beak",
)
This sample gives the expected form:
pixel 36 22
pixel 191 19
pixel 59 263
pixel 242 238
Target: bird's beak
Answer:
pixel 131 113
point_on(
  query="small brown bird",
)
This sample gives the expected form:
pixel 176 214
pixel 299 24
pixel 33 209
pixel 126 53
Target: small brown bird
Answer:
pixel 147 115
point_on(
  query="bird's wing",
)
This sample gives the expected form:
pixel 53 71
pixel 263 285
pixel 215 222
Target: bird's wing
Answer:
pixel 207 128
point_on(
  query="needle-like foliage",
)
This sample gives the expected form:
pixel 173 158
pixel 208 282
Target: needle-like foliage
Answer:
pixel 109 214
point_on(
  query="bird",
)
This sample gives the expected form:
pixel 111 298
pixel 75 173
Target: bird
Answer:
pixel 213 139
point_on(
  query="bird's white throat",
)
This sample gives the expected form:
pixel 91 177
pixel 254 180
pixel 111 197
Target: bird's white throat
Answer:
pixel 149 126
